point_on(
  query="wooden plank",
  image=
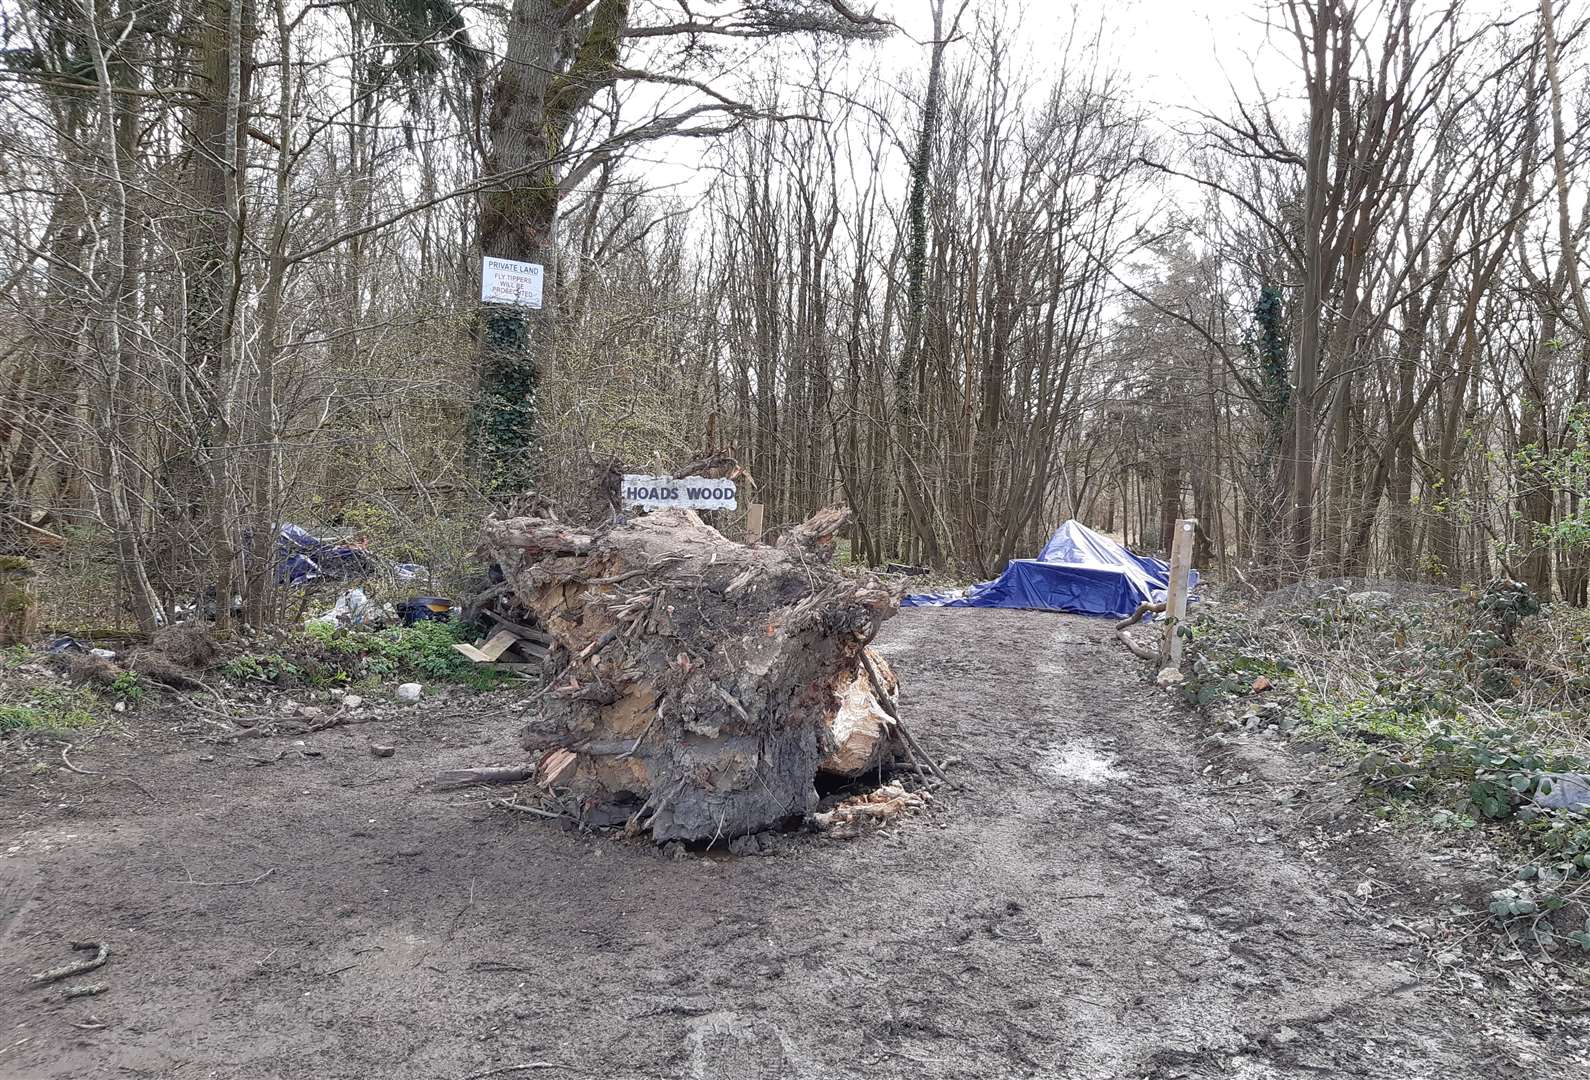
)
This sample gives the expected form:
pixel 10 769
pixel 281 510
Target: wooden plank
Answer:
pixel 539 636
pixel 753 522
pixel 1181 550
pixel 498 644
pixel 495 647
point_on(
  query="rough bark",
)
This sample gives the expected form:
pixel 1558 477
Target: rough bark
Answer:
pixel 700 680
pixel 558 61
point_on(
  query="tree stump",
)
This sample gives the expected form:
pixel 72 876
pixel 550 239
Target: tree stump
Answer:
pixel 703 682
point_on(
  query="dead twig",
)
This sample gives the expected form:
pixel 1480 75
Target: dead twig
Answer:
pixel 76 967
pixel 915 764
pixel 655 716
pixel 732 702
pixel 68 763
pixel 658 564
pixel 598 645
pixel 916 748
pixel 254 726
pixel 1142 652
pixel 87 990
pixel 526 1067
pixel 1142 609
pixel 893 710
pixel 457 778
pixel 513 804
pixel 339 720
pixel 255 880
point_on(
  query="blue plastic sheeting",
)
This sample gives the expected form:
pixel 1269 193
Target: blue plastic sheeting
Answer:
pixel 1078 570
pixel 302 557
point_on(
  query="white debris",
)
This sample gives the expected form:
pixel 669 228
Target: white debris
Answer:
pixel 409 691
pixel 1081 762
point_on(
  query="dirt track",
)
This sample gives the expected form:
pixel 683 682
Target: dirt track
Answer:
pixel 1092 905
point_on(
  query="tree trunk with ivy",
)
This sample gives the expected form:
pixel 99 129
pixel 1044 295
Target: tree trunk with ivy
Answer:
pixel 1271 354
pixel 542 86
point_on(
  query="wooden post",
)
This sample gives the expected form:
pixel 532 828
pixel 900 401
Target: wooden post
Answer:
pixel 753 524
pixel 1181 550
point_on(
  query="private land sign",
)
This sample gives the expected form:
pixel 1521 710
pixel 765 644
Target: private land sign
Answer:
pixel 688 492
pixel 505 281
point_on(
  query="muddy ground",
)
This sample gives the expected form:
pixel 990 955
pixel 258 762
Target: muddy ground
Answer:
pixel 1113 894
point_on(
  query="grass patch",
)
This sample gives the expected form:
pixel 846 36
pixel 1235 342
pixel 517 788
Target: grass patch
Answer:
pixel 49 709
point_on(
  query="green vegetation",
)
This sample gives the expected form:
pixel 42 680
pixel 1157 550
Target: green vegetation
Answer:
pixel 128 686
pixel 263 667
pixel 323 655
pixel 49 709
pixel 1568 469
pixel 1462 711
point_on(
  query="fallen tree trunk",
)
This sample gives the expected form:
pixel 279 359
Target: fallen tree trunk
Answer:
pixel 701 683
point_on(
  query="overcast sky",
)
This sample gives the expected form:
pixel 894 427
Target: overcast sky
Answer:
pixel 1176 55
pixel 1177 52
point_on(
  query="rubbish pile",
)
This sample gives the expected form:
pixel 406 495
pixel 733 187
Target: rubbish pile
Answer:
pixel 173 657
pixel 700 684
pixel 302 557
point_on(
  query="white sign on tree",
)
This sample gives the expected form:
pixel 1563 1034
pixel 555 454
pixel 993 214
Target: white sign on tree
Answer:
pixel 505 281
pixel 687 492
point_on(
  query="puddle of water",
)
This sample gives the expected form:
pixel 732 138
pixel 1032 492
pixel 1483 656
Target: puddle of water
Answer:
pixel 1082 763
pixel 727 1046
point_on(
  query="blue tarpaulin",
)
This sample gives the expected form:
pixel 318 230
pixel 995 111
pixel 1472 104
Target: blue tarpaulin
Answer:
pixel 302 558
pixel 1078 570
